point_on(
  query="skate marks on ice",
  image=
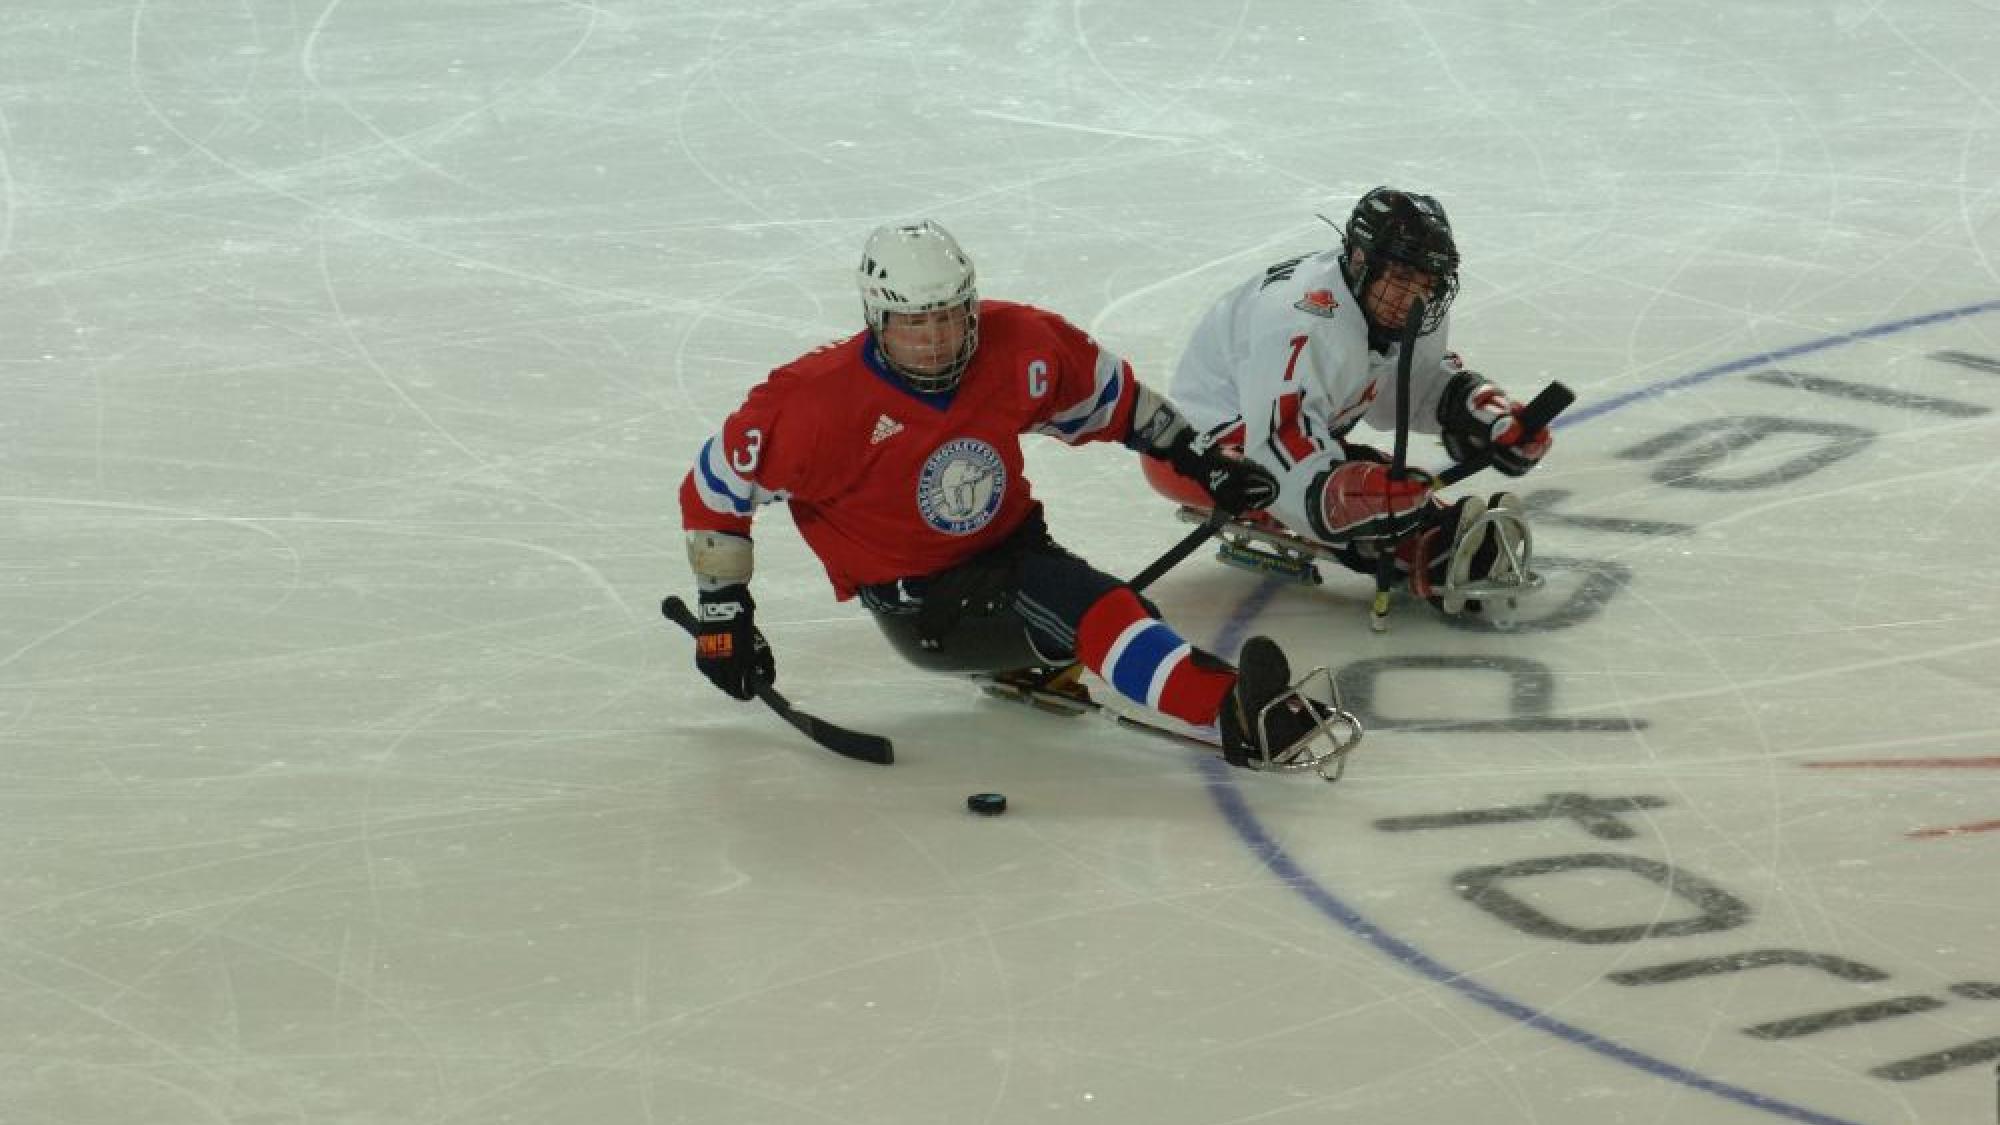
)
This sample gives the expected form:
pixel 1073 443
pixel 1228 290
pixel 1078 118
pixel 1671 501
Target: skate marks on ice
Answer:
pixel 1811 436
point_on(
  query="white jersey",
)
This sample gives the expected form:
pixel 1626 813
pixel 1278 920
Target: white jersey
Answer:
pixel 1287 353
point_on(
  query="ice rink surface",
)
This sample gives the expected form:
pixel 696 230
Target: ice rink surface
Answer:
pixel 354 351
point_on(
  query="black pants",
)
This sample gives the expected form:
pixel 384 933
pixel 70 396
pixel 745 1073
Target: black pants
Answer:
pixel 1049 589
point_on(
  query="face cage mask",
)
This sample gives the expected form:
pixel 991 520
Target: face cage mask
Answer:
pixel 1439 302
pixel 933 382
pixel 1436 303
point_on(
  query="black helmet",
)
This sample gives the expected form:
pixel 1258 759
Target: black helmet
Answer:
pixel 1402 226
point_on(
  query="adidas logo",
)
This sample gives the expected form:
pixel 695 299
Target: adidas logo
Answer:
pixel 885 428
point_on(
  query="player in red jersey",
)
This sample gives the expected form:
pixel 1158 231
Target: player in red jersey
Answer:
pixel 898 451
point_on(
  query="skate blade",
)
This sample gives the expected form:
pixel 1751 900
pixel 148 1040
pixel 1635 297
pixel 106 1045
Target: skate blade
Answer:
pixel 1284 544
pixel 1241 554
pixel 1324 751
pixel 1059 694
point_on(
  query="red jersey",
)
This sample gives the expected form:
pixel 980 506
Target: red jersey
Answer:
pixel 885 483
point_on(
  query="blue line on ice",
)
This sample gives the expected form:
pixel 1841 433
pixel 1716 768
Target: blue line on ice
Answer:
pixel 1229 799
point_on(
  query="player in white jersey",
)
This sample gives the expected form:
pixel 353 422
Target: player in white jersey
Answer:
pixel 1287 363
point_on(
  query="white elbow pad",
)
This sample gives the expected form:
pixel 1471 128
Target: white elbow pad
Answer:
pixel 719 558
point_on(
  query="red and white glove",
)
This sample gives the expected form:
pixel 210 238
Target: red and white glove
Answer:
pixel 1479 418
pixel 1359 500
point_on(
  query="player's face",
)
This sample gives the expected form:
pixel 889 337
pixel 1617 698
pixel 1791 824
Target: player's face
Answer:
pixel 926 342
pixel 1389 298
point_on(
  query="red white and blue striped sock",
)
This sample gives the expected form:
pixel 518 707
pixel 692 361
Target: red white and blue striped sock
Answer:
pixel 1149 663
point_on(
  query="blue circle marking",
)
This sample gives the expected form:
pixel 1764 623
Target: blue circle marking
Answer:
pixel 1236 811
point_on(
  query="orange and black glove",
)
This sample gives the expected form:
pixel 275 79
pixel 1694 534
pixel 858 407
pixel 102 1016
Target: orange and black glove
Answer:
pixel 729 648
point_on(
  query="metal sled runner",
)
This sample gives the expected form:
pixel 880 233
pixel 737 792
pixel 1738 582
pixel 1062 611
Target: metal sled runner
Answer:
pixel 1266 548
pixel 1059 692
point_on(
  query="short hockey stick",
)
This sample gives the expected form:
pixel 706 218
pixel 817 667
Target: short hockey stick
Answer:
pixel 1181 550
pixel 1535 417
pixel 860 746
pixel 1399 461
pixel 1554 399
pixel 874 748
pixel 1064 675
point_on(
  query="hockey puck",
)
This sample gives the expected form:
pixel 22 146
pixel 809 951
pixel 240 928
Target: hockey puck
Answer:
pixel 987 804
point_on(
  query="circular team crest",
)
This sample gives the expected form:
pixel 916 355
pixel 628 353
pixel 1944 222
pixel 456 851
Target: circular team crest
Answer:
pixel 961 486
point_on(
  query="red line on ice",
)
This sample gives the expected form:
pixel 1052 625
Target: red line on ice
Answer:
pixel 1959 830
pixel 1911 764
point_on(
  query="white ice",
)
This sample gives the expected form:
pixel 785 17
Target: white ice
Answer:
pixel 354 350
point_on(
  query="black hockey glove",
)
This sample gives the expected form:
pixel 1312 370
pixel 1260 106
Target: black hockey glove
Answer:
pixel 1479 418
pixel 1236 483
pixel 730 649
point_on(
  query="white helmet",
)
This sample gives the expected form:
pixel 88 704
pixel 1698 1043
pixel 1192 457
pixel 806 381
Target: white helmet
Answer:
pixel 914 268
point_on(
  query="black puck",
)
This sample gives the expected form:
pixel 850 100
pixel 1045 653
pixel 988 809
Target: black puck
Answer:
pixel 987 804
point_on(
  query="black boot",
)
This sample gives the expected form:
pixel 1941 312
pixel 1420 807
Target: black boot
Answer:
pixel 1263 675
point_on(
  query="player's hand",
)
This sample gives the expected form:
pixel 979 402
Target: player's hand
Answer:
pixel 729 648
pixel 1480 418
pixel 1236 483
pixel 1361 500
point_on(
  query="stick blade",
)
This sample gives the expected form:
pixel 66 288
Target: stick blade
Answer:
pixel 858 745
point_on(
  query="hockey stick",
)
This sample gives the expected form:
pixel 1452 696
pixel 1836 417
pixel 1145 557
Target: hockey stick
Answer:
pixel 1540 411
pixel 1060 677
pixel 1181 550
pixel 1535 417
pixel 860 746
pixel 1399 462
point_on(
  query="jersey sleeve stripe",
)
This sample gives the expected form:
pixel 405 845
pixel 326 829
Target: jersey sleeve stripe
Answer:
pixel 721 487
pixel 1087 418
pixel 698 515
